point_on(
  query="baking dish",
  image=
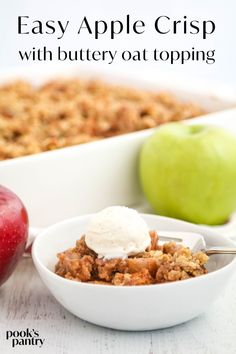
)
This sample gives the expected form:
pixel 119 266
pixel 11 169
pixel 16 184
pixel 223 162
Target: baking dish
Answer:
pixel 81 179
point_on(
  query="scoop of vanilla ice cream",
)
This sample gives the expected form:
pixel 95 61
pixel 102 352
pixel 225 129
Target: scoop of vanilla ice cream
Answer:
pixel 117 232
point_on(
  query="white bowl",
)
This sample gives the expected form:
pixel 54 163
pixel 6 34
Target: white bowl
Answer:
pixel 132 307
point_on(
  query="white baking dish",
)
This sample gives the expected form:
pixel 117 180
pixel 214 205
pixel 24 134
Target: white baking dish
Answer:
pixel 81 179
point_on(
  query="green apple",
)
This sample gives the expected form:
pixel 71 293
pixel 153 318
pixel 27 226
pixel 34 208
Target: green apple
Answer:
pixel 189 172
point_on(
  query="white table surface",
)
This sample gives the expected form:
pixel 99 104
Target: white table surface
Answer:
pixel 26 303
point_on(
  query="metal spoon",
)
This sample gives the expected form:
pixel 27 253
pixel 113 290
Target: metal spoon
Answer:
pixel 195 242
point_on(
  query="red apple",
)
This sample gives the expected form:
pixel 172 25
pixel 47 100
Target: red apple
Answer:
pixel 13 232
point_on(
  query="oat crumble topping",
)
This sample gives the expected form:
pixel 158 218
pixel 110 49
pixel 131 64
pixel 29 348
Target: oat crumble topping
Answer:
pixel 68 112
pixel 158 264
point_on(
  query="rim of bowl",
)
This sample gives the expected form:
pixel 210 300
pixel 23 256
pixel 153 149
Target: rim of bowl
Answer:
pixel 39 263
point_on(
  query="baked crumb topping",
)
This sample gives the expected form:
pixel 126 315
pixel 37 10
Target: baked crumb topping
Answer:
pixel 158 264
pixel 69 112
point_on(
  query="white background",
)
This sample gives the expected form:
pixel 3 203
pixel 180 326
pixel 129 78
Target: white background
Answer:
pixel 223 40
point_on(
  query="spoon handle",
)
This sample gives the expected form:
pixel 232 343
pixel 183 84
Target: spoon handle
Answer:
pixel 220 250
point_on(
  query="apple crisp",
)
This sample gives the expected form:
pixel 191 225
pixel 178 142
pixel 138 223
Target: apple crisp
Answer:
pixel 69 112
pixel 158 264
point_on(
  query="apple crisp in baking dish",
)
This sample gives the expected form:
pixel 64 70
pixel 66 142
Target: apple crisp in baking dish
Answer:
pixel 68 112
pixel 158 264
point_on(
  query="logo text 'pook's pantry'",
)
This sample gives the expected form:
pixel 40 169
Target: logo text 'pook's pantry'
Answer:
pixel 27 337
